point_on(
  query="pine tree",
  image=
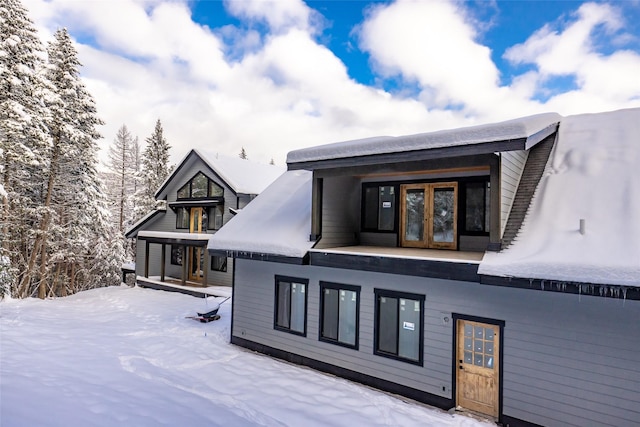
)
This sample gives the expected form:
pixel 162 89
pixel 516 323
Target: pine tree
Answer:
pixel 155 170
pixel 80 222
pixel 243 154
pixel 24 140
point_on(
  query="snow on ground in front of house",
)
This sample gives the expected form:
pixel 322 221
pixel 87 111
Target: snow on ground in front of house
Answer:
pixel 592 175
pixel 128 356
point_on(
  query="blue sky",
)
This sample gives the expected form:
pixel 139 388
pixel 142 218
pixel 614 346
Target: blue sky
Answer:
pixel 273 76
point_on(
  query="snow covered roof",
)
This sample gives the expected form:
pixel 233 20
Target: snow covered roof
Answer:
pixel 592 174
pixel 531 129
pixel 277 222
pixel 242 176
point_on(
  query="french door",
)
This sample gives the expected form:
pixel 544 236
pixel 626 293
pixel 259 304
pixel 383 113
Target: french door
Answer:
pixel 429 215
pixel 478 366
pixel 196 254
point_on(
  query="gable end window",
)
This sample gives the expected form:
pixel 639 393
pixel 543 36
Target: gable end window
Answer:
pixel 399 326
pixel 339 308
pixel 290 314
pixel 200 187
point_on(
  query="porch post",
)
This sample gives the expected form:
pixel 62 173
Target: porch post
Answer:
pixel 205 267
pixel 146 258
pixel 162 262
pixel 185 261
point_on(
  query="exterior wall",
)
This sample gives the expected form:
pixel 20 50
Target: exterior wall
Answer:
pixel 568 359
pixel 340 212
pixel 510 172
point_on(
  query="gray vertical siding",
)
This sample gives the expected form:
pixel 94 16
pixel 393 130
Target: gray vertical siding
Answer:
pixel 510 172
pixel 568 359
pixel 341 201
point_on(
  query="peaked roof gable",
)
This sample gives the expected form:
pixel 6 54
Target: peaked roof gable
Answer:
pixel 242 176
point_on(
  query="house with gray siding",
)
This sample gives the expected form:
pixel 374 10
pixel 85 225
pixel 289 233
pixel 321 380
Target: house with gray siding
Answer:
pixel 199 197
pixel 493 269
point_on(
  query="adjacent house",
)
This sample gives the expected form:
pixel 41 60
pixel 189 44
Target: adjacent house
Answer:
pixel 201 195
pixel 493 268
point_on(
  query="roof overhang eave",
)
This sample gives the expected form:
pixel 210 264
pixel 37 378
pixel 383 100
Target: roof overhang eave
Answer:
pixel 417 155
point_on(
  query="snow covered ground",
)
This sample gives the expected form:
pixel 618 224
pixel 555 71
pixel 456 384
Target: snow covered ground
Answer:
pixel 127 356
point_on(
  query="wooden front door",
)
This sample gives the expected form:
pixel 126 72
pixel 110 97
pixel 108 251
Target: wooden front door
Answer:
pixel 196 255
pixel 478 367
pixel 429 215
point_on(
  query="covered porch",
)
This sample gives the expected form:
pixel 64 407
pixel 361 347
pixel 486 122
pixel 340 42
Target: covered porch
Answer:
pixel 171 284
pixel 189 254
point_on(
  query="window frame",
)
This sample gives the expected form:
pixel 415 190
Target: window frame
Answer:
pixel 339 287
pixel 462 218
pixel 379 293
pixel 363 206
pixel 176 255
pixel 276 308
pixel 211 184
pixel 187 215
pixel 211 217
pixel 224 264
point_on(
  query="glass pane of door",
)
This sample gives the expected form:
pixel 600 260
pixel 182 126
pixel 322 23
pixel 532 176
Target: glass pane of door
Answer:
pixel 414 215
pixel 197 263
pixel 196 220
pixel 443 215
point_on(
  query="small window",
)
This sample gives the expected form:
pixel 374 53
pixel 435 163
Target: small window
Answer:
pixel 477 207
pixel 291 305
pixel 176 255
pixel 339 307
pixel 182 218
pixel 399 325
pixel 378 207
pixel 215 217
pixel 219 263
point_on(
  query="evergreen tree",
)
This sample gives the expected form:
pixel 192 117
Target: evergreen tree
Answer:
pixel 24 141
pixel 155 170
pixel 243 154
pixel 80 222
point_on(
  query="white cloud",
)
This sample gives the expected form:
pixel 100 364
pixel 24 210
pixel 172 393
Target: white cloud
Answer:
pixel 236 86
pixel 603 81
pixel 433 43
pixel 280 15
